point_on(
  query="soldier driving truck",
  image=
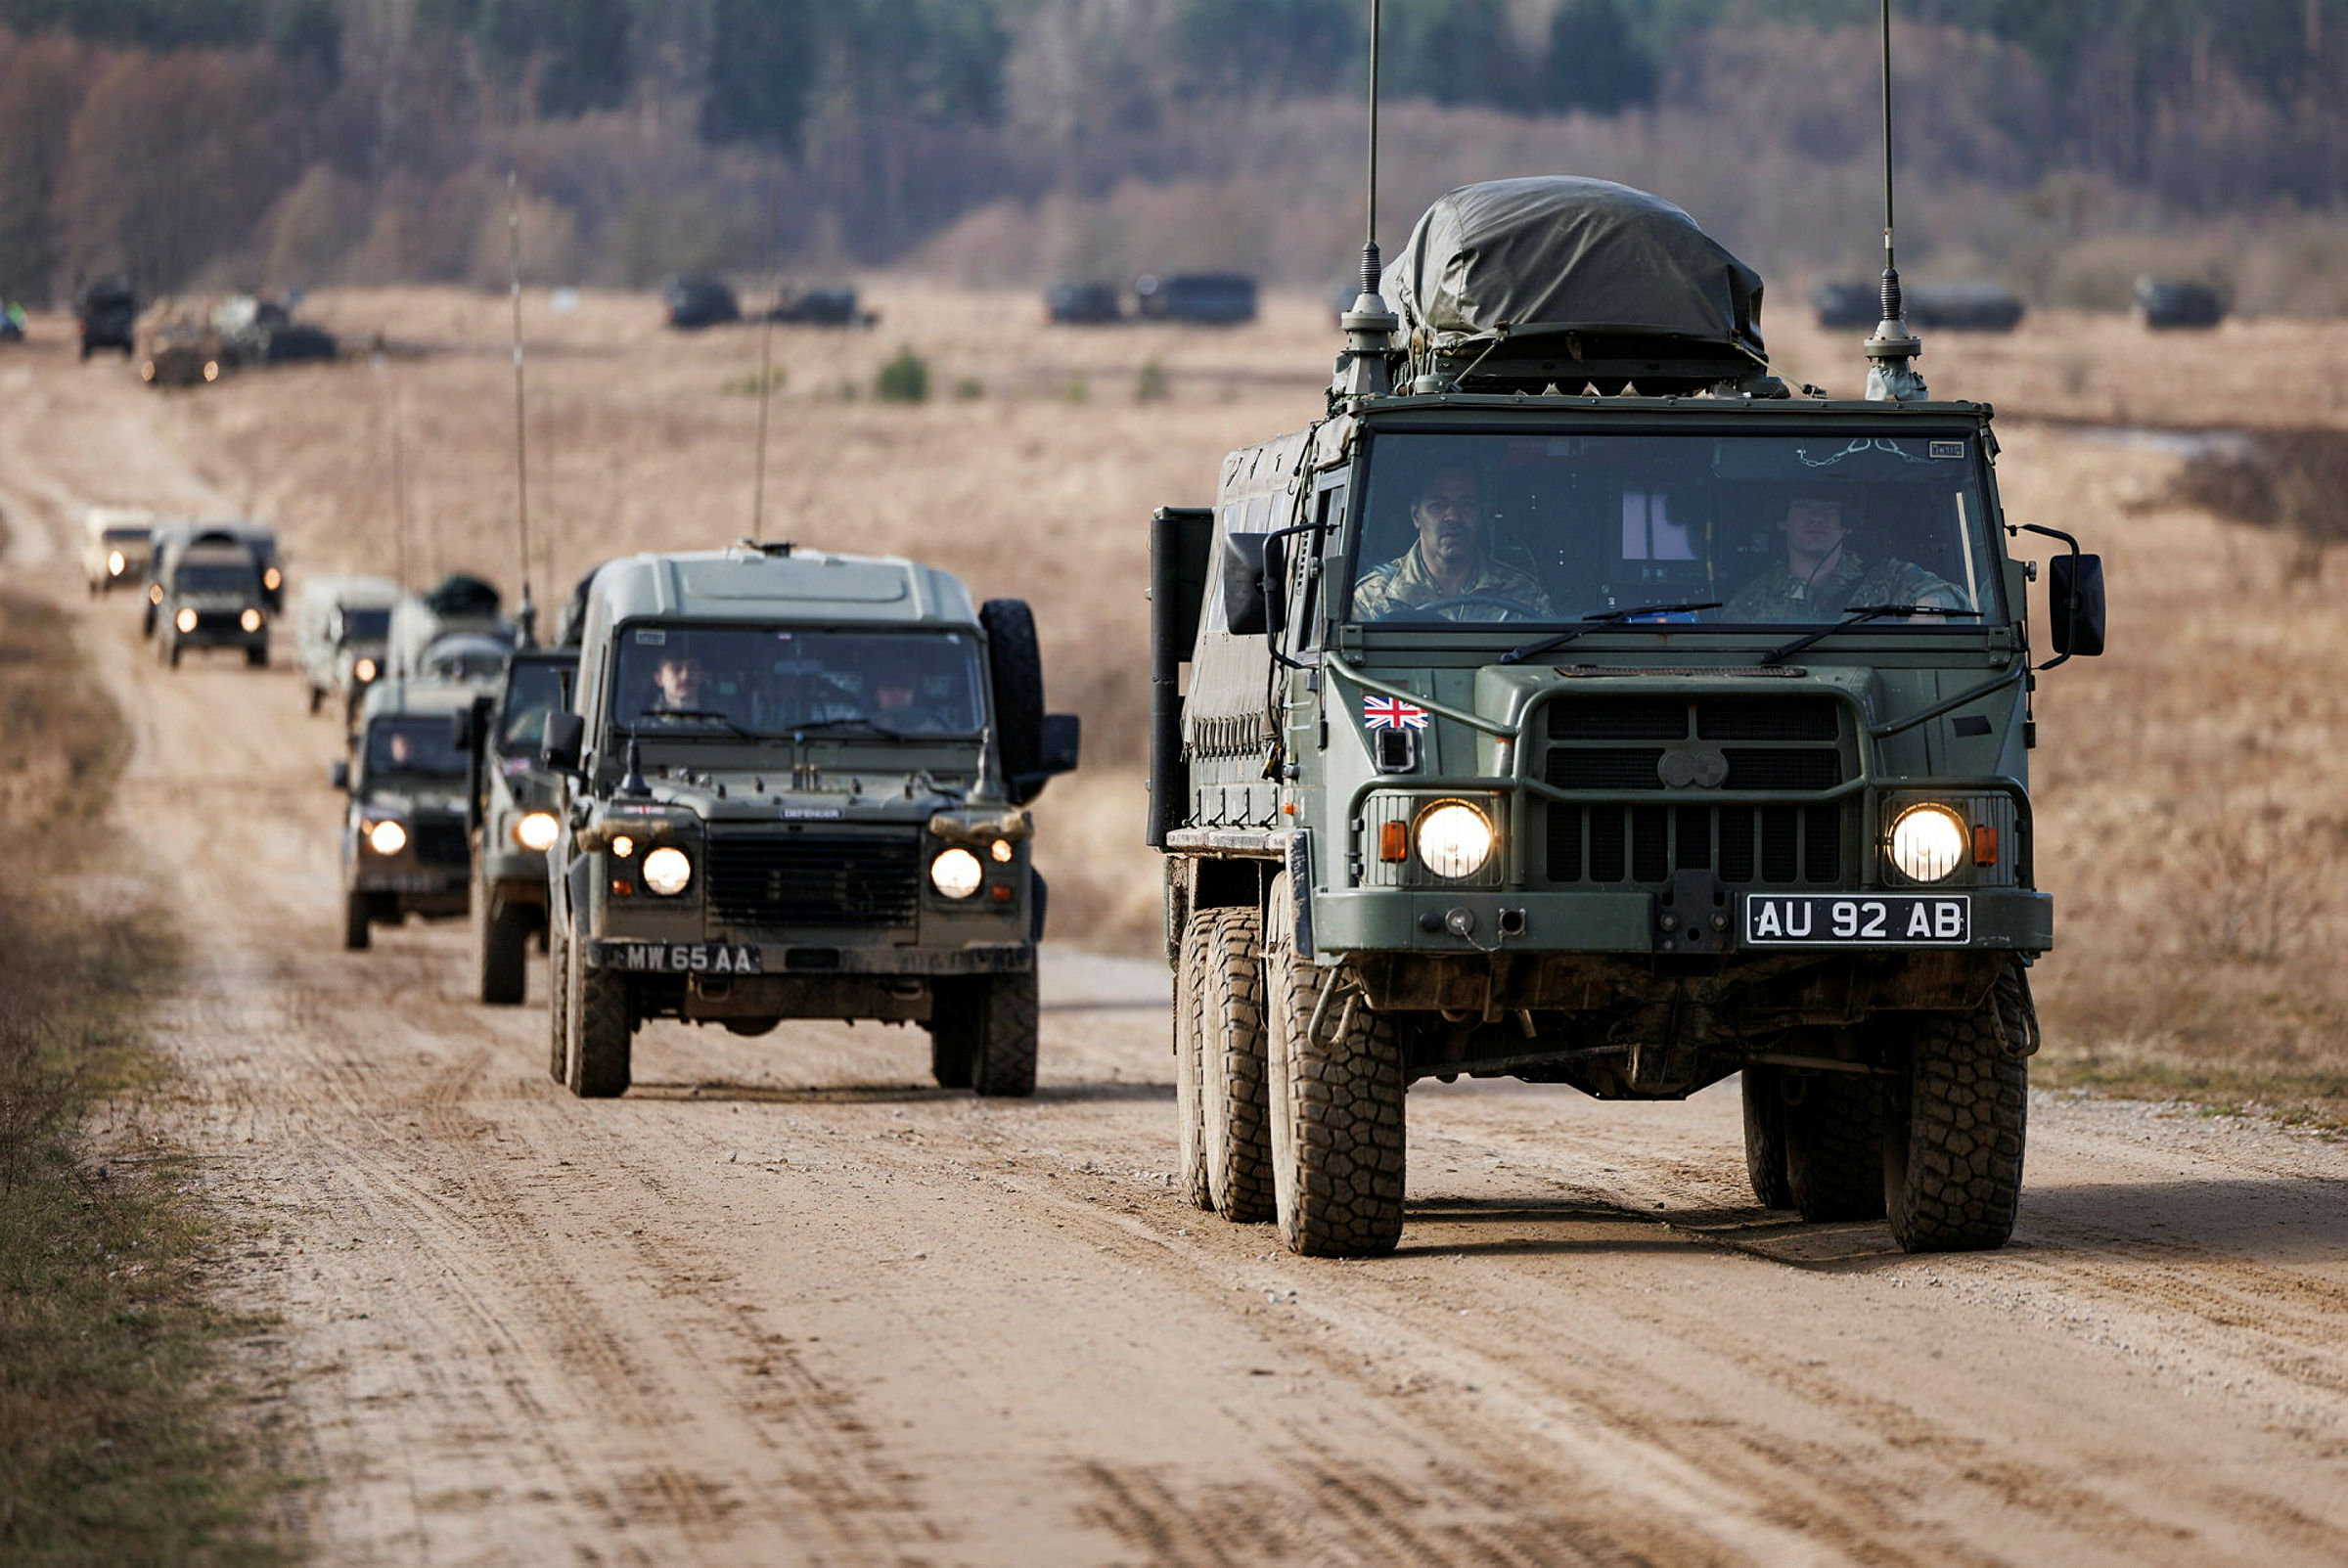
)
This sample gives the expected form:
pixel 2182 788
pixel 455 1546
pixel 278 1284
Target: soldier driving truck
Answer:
pixel 1572 705
pixel 795 788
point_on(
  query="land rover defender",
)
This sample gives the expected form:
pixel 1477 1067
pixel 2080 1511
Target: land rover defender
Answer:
pixel 404 849
pixel 513 805
pixel 212 597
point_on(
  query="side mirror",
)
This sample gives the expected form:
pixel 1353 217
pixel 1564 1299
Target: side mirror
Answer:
pixel 1243 609
pixel 1063 736
pixel 2075 605
pixel 1275 580
pixel 565 735
pixel 460 729
pixel 337 774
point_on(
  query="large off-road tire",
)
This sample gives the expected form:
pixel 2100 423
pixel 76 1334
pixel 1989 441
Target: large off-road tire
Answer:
pixel 1834 1146
pixel 1236 1087
pixel 316 697
pixel 1016 665
pixel 598 1029
pixel 1765 1139
pixel 1337 1141
pixel 1189 1111
pixel 501 938
pixel 357 926
pixel 557 1005
pixel 1005 1066
pixel 1956 1124
pixel 953 1051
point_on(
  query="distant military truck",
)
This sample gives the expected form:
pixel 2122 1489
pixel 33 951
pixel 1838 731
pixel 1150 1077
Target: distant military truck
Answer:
pixel 1072 303
pixel 258 331
pixel 2167 305
pixel 514 801
pixel 689 301
pixel 182 351
pixel 256 539
pixel 106 315
pixel 460 603
pixel 342 628
pixel 115 542
pixel 834 305
pixel 1197 298
pixel 795 788
pixel 1972 307
pixel 212 599
pixel 1566 702
pixel 404 847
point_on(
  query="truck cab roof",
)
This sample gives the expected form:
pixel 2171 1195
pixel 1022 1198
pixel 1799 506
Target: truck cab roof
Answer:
pixel 777 583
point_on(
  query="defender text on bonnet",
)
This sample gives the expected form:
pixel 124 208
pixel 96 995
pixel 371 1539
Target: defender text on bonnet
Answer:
pixel 795 783
pixel 1586 711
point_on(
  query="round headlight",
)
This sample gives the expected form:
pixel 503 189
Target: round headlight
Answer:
pixel 1455 839
pixel 387 839
pixel 1002 851
pixel 622 846
pixel 536 831
pixel 273 579
pixel 185 620
pixel 211 370
pixel 364 669
pixel 1927 842
pixel 251 620
pixel 115 563
pixel 666 871
pixel 956 872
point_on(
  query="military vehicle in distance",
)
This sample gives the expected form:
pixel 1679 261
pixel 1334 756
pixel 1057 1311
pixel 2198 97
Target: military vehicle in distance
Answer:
pixel 1572 705
pixel 211 598
pixel 2169 304
pixel 689 301
pixel 116 543
pixel 1195 299
pixel 404 849
pixel 1071 303
pixel 796 785
pixel 1980 307
pixel 834 305
pixel 254 331
pixel 459 605
pixel 511 804
pixel 343 627
pixel 258 540
pixel 106 315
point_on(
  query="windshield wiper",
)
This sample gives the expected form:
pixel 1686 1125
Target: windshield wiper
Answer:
pixel 700 714
pixel 842 720
pixel 1598 623
pixel 1853 614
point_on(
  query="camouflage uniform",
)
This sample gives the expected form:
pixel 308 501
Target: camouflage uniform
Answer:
pixel 1389 591
pixel 1778 594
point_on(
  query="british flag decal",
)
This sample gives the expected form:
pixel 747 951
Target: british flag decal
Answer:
pixel 1392 713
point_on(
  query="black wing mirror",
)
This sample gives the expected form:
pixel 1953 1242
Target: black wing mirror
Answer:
pixel 337 774
pixel 2075 605
pixel 1063 733
pixel 565 735
pixel 1244 608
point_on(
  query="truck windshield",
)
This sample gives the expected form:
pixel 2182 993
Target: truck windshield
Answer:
pixel 415 743
pixel 1788 528
pixel 532 691
pixel 366 625
pixel 767 679
pixel 196 578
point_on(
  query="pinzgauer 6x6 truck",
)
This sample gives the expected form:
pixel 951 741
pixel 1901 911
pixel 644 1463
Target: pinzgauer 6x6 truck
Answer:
pixel 1572 705
pixel 794 790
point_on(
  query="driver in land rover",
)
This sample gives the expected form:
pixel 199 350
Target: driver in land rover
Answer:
pixel 1447 574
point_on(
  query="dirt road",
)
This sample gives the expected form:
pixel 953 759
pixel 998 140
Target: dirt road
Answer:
pixel 786 1303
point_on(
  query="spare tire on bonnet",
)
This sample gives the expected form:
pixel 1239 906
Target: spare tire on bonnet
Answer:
pixel 1016 664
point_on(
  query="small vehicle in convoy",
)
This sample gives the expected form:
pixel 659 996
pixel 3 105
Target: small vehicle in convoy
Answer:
pixel 342 626
pixel 2167 305
pixel 1195 299
pixel 116 543
pixel 691 300
pixel 1070 302
pixel 459 605
pixel 254 539
pixel 211 598
pixel 404 849
pixel 794 788
pixel 106 315
pixel 513 802
pixel 831 305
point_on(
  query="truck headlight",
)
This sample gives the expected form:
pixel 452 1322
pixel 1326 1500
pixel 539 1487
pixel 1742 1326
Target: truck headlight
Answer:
pixel 364 669
pixel 956 872
pixel 1928 842
pixel 1454 839
pixel 251 620
pixel 386 837
pixel 155 592
pixel 273 579
pixel 667 871
pixel 115 563
pixel 537 831
pixel 185 620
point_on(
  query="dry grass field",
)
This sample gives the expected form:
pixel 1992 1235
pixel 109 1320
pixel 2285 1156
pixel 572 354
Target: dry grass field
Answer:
pixel 2192 826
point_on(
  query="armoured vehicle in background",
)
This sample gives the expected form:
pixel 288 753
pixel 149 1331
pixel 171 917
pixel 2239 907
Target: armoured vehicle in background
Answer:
pixel 404 849
pixel 834 305
pixel 106 315
pixel 2168 303
pixel 1980 307
pixel 460 604
pixel 182 351
pixel 343 627
pixel 513 802
pixel 1572 705
pixel 116 543
pixel 211 598
pixel 1070 303
pixel 258 332
pixel 1195 299
pixel 689 301
pixel 796 785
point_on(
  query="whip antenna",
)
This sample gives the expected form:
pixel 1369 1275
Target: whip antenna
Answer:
pixel 1364 369
pixel 766 373
pixel 526 619
pixel 1893 378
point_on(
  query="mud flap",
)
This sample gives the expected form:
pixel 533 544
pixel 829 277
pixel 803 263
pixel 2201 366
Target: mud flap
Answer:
pixel 1300 883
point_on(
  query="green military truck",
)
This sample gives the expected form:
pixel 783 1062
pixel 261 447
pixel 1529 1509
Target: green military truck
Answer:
pixel 1572 705
pixel 513 805
pixel 796 785
pixel 404 848
pixel 210 596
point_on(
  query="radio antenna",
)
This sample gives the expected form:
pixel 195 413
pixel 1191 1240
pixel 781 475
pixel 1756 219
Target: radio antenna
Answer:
pixel 526 619
pixel 1364 369
pixel 1894 379
pixel 766 368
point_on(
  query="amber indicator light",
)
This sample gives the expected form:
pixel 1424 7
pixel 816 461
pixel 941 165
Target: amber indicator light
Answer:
pixel 1393 840
pixel 1985 844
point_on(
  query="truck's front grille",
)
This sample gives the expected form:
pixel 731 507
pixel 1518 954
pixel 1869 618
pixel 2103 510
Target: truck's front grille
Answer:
pixel 1767 845
pixel 809 879
pixel 441 843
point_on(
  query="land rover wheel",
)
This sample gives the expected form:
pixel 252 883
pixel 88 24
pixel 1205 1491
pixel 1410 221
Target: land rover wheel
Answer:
pixel 1956 1122
pixel 256 657
pixel 500 946
pixel 1005 1065
pixel 316 697
pixel 1189 1111
pixel 1833 1145
pixel 952 1045
pixel 1765 1138
pixel 1336 1094
pixel 598 1028
pixel 1235 1083
pixel 355 923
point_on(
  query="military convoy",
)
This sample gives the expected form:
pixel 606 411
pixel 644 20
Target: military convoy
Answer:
pixel 210 596
pixel 342 628
pixel 1569 704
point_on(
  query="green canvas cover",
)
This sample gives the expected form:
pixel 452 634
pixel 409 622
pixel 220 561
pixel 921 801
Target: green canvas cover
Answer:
pixel 1552 254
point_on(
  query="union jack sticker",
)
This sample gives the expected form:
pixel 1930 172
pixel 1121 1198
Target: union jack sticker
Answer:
pixel 1392 713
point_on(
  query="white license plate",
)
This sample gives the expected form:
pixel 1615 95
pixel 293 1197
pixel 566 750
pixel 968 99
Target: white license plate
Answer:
pixel 1890 919
pixel 683 958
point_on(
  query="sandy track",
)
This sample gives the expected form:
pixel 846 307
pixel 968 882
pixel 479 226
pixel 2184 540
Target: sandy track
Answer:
pixel 785 1303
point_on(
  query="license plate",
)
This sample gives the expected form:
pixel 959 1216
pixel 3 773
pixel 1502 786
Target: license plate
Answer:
pixel 1892 920
pixel 683 958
